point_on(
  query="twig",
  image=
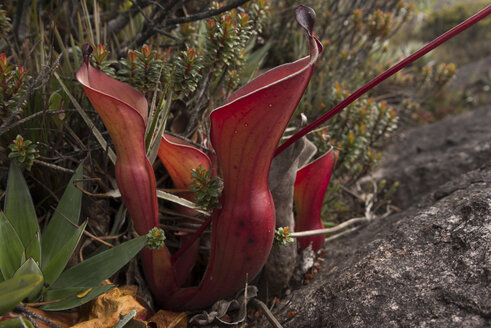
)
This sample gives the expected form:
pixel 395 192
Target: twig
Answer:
pixel 29 313
pixel 88 121
pixel 178 229
pixel 179 215
pixel 30 117
pixel 206 14
pixel 191 142
pixel 191 240
pixel 85 231
pixel 174 190
pixel 142 12
pixel 99 195
pixel 45 187
pixel 342 234
pixel 271 318
pixel 150 28
pixel 329 230
pixel 196 109
pixel 53 166
pixel 39 81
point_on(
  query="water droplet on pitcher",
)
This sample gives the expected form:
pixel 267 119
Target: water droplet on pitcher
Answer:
pixel 270 105
pixel 235 132
pixel 246 124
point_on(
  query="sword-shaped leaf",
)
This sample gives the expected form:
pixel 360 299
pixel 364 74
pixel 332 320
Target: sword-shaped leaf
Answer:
pixel 14 290
pixel 61 236
pixel 96 269
pixel 69 298
pixel 31 267
pixel 20 211
pixel 11 249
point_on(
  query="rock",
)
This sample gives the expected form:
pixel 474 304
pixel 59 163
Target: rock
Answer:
pixel 426 157
pixel 427 266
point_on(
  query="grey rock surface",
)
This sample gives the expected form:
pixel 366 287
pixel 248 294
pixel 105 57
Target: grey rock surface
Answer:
pixel 427 266
pixel 424 158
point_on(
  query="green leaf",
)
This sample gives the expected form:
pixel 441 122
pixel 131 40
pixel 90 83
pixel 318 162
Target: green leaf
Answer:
pixel 11 249
pixel 73 297
pixel 19 210
pixel 96 269
pixel 30 267
pixel 54 101
pixel 58 261
pixel 14 290
pixel 16 323
pixel 59 231
pixel 254 61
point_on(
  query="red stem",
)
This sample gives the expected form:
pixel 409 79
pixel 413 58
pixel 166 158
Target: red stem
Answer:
pixel 383 76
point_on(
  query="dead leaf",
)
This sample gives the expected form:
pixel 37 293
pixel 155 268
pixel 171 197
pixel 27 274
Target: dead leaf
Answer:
pixel 167 319
pixel 105 310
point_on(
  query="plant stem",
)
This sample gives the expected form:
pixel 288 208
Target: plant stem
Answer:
pixel 386 74
pixel 328 230
pixel 271 318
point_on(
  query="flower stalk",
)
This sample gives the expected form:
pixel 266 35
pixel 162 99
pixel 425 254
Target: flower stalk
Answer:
pixel 386 74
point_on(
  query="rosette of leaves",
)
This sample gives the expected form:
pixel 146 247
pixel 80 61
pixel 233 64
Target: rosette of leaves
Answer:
pixel 101 61
pixel 24 151
pixel 187 71
pixel 357 132
pixel 227 37
pixel 214 52
pixel 12 87
pixel 282 236
pixel 206 187
pixel 144 69
pixel 32 264
pixel 422 87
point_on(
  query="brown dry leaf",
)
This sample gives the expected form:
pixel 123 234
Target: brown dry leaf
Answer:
pixel 167 319
pixel 62 319
pixel 106 309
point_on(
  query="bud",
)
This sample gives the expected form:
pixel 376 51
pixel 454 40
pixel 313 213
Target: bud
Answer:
pixel 146 50
pixel 155 238
pixel 3 61
pixel 132 56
